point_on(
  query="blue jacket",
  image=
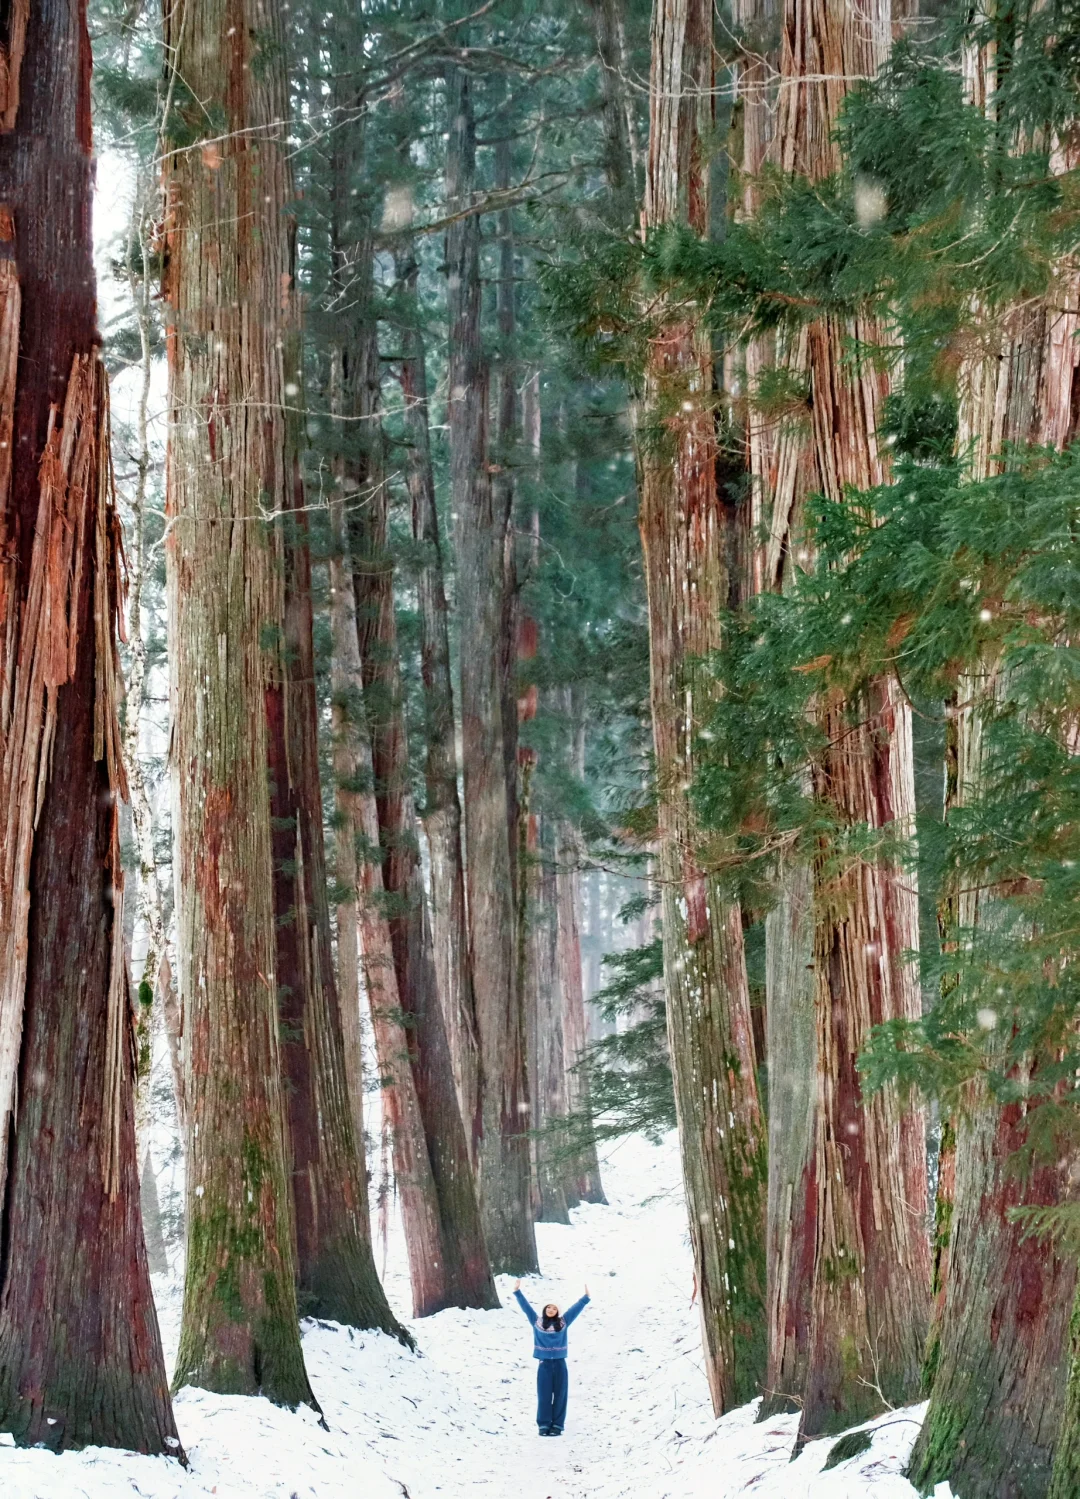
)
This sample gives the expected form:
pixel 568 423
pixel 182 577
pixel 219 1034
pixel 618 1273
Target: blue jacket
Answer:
pixel 550 1344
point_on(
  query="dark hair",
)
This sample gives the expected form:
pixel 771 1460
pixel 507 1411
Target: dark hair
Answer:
pixel 551 1322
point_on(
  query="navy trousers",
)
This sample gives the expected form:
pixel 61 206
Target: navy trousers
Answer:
pixel 552 1388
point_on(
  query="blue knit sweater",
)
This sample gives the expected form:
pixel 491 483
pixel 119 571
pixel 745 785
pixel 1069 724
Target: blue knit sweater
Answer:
pixel 551 1344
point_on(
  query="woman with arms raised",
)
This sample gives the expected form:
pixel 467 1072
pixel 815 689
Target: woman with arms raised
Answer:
pixel 549 1348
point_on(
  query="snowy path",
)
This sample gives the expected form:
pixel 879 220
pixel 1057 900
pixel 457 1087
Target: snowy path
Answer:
pixel 457 1421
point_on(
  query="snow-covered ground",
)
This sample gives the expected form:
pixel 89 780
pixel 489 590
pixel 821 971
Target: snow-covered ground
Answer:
pixel 456 1419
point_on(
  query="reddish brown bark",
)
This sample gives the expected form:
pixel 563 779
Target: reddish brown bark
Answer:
pixel 480 541
pixel 231 317
pixel 872 1265
pixel 721 1125
pixel 80 1355
pixel 871 1268
pixel 12 49
pixel 848 1256
pixel 1000 1355
pixel 999 1383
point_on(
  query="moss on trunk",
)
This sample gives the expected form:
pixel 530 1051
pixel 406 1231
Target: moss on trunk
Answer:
pixel 227 263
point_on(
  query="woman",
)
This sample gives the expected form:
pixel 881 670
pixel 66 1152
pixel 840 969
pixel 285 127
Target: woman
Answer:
pixel 549 1347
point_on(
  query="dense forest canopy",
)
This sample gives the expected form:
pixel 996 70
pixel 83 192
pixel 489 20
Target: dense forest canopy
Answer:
pixel 567 624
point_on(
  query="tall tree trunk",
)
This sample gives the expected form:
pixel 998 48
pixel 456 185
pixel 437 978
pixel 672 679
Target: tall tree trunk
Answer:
pixel 622 154
pixel 848 1254
pixel 868 1202
pixel 504 1178
pixel 584 1168
pixel 463 1262
pixel 721 1128
pixel 777 460
pixel 360 874
pixel 502 503
pixel 150 1208
pixel 547 1071
pixel 998 1393
pixel 442 810
pixel 150 907
pixel 585 1184
pixel 347 756
pixel 1065 1478
pixel 790 1047
pixel 997 1356
pixel 335 1265
pixel 957 908
pixel 228 264
pixel 1001 1348
pixel 593 967
pixel 80 1355
pixel 410 1029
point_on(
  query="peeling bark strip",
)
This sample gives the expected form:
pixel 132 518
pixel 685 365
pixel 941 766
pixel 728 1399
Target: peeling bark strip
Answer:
pixel 12 48
pixel 721 1127
pixel 64 698
pixel 227 275
pixel 24 731
pixel 80 1355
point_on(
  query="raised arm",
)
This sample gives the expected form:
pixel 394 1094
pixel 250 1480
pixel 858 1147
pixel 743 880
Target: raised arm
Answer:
pixel 524 1305
pixel 572 1311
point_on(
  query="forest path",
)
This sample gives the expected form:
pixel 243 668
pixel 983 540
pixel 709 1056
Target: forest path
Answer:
pixel 457 1420
pixel 635 1360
